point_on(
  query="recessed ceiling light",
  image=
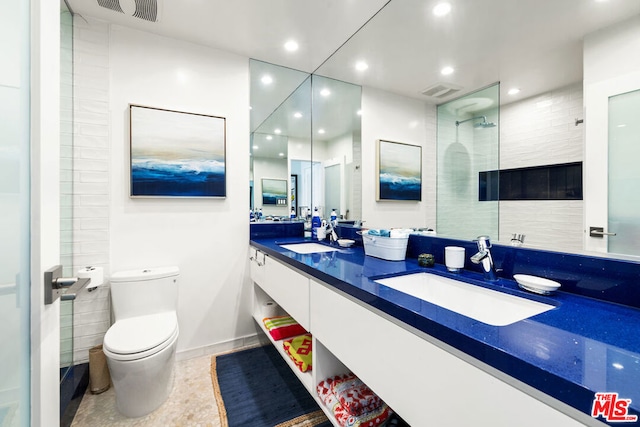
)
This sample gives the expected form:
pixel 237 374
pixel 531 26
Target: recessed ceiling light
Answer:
pixel 446 71
pixel 291 46
pixel 361 65
pixel 325 92
pixel 513 91
pixel 442 9
pixel 266 79
pixel 622 126
pixel 320 131
pixel 359 112
pixel 255 147
pixel 277 131
pixel 297 114
pixel 269 137
pixel 281 154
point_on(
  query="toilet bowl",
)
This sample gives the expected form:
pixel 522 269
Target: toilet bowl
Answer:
pixel 140 346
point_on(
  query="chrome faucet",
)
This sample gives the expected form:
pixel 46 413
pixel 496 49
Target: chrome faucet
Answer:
pixel 483 257
pixel 333 236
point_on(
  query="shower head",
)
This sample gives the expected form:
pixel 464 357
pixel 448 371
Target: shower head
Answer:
pixel 483 124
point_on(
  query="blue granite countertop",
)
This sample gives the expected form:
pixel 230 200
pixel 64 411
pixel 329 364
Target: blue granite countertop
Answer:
pixel 582 347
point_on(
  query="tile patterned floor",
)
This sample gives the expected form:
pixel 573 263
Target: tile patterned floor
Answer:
pixel 191 402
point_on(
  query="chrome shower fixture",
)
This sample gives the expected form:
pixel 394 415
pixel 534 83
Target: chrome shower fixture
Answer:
pixel 483 124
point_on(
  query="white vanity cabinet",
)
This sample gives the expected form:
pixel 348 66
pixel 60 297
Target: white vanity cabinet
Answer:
pixel 286 286
pixel 424 380
pixel 424 383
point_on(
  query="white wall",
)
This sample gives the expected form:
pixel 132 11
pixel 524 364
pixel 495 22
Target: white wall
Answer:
pixel 206 238
pixel 537 131
pixel 397 118
pixel 91 195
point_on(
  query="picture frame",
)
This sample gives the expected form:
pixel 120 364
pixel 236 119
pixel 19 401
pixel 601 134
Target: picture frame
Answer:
pixel 399 171
pixel 274 192
pixel 176 153
pixel 294 192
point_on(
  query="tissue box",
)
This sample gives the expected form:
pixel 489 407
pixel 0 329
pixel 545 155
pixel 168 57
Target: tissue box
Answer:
pixel 389 248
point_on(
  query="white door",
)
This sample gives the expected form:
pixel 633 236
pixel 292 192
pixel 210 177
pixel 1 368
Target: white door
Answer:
pixel 612 170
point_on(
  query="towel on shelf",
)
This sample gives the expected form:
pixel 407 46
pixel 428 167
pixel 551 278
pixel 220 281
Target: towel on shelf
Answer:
pixel 299 350
pixel 355 396
pixel 373 418
pixel 282 327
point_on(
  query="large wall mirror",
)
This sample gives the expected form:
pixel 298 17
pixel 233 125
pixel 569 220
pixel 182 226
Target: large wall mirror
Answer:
pixel 305 136
pixel 541 48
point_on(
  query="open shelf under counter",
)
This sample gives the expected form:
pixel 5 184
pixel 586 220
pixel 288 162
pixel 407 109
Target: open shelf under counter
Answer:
pixel 325 365
pixel 305 377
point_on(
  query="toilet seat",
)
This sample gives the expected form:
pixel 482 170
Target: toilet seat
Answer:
pixel 139 337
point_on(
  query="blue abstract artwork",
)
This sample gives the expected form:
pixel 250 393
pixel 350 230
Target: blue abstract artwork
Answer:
pixel 176 154
pixel 274 192
pixel 399 171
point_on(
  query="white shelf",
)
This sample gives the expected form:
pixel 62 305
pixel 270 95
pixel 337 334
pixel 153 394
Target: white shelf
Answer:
pixel 305 377
pixel 308 378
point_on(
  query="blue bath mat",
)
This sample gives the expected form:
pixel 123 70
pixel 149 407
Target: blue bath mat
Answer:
pixel 256 388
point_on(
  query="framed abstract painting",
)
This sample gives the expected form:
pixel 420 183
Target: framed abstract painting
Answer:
pixel 274 192
pixel 399 170
pixel 176 154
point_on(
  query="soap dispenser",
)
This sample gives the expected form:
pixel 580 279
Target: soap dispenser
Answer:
pixel 316 223
pixel 293 214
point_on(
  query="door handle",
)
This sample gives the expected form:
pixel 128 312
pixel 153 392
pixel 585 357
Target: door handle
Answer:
pixel 599 232
pixel 54 283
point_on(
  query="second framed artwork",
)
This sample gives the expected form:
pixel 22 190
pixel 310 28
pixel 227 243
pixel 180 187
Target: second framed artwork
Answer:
pixel 399 171
pixel 274 192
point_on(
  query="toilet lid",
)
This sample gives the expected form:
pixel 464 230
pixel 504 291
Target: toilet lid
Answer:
pixel 138 334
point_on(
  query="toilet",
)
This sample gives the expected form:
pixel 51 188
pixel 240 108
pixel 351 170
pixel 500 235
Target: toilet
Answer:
pixel 141 345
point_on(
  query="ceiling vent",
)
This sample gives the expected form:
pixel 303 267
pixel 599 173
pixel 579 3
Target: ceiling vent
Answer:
pixel 149 10
pixel 441 90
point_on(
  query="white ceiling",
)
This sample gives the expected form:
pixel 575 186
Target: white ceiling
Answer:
pixel 252 28
pixel 535 45
pixel 532 44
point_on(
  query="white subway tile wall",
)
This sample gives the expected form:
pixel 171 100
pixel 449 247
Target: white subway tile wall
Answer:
pixel 92 313
pixel 539 131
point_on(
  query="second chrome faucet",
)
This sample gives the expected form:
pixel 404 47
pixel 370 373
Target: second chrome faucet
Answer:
pixel 484 259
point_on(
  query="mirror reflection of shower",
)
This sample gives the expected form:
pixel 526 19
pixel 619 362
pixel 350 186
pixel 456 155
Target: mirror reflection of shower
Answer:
pixel 464 151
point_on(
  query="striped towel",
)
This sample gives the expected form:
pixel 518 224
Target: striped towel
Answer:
pixel 282 327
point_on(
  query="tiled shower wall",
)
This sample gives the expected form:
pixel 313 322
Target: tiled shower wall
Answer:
pixel 539 131
pixel 66 181
pixel 91 179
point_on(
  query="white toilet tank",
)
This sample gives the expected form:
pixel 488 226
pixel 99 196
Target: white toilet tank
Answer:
pixel 145 291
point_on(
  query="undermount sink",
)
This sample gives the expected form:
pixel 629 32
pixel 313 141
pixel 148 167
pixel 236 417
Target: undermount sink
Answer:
pixel 308 248
pixel 482 304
